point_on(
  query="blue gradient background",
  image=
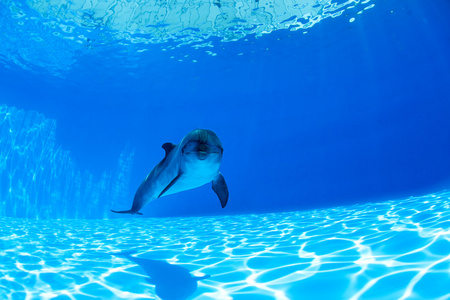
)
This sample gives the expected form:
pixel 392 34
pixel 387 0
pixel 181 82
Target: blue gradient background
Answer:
pixel 347 113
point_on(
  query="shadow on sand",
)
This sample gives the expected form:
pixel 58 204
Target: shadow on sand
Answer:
pixel 171 282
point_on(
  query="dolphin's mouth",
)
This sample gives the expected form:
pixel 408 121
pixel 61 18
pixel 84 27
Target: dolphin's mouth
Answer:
pixel 202 154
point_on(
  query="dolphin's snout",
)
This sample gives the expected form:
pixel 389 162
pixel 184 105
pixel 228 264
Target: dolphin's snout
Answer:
pixel 202 148
pixel 202 153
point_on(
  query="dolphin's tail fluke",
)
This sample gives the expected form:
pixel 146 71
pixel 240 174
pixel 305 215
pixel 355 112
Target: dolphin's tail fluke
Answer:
pixel 127 212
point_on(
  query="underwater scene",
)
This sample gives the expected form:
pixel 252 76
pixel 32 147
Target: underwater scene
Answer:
pixel 224 149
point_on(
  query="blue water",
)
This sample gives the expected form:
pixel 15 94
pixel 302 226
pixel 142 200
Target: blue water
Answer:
pixel 327 111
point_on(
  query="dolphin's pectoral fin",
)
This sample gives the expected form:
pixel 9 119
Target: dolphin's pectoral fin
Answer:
pixel 170 185
pixel 220 188
pixel 127 212
pixel 168 147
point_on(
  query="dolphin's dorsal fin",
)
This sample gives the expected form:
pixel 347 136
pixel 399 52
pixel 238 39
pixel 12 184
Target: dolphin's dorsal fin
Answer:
pixel 168 147
pixel 170 184
pixel 220 188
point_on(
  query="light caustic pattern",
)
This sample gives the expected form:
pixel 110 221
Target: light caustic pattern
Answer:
pixel 40 180
pixel 390 250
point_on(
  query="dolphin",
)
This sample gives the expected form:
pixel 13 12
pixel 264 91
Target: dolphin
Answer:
pixel 190 164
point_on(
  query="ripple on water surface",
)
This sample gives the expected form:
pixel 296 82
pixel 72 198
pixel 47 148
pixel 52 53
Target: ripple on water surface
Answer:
pixel 54 34
pixel 390 250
